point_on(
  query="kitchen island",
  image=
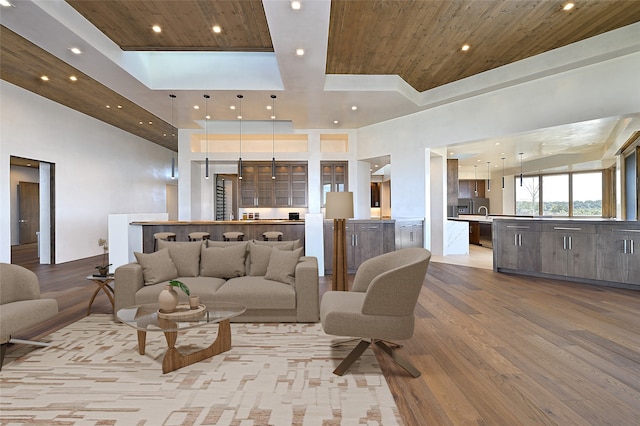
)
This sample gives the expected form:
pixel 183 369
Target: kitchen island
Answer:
pixel 252 229
pixel 594 251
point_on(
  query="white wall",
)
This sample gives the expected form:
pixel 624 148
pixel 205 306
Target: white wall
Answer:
pixel 99 170
pixel 606 89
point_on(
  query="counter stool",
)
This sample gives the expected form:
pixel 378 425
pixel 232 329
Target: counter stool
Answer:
pixel 198 236
pixel 272 236
pixel 167 236
pixel 233 236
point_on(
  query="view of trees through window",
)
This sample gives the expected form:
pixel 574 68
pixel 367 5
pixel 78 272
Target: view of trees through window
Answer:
pixel 584 194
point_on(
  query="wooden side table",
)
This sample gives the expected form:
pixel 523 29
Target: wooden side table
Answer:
pixel 104 284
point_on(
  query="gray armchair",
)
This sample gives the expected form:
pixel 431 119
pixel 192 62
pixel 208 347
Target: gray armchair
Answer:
pixel 20 305
pixel 380 306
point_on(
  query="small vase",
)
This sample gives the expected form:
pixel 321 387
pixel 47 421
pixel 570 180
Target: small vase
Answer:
pixel 168 299
pixel 194 302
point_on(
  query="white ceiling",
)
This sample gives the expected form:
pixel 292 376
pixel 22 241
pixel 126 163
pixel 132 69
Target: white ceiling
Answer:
pixel 309 98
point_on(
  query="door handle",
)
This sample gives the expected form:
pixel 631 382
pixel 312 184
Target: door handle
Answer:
pixel 570 242
pixel 564 242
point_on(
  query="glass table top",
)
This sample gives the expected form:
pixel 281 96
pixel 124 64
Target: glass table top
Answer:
pixel 145 317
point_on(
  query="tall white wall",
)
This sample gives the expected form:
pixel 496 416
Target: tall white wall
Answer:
pixel 99 170
pixel 605 89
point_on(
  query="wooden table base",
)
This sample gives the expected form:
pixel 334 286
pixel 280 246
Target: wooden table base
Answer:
pixel 174 360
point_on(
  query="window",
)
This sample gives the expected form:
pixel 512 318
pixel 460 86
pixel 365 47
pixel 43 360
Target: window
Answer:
pixel 587 194
pixel 565 194
pixel 555 195
pixel 528 196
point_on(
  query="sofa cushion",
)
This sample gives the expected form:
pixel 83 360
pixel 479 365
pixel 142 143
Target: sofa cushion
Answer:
pixel 283 245
pixel 257 293
pixel 157 267
pixel 185 255
pixel 211 243
pixel 223 262
pixel 282 265
pixel 259 255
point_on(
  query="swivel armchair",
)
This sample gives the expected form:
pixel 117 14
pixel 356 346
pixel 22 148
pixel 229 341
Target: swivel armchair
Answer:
pixel 380 306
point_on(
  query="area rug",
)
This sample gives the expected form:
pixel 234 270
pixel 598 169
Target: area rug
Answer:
pixel 274 374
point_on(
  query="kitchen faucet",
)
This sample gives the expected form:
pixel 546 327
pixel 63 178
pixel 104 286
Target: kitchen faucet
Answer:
pixel 486 210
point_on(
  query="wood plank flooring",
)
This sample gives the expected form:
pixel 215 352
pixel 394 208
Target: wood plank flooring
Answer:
pixel 494 349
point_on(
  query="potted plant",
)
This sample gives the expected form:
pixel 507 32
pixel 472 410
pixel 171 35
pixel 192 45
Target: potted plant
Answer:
pixel 103 270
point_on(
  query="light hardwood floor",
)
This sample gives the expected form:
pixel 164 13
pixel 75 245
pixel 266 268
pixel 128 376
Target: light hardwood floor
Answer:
pixel 494 349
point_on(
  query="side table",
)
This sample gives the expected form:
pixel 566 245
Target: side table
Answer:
pixel 104 284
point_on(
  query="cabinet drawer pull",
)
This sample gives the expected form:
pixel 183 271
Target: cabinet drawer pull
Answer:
pixel 625 230
pixel 624 247
pixel 560 228
pixel 631 248
pixel 517 227
pixel 564 242
pixel 570 243
pixel 370 227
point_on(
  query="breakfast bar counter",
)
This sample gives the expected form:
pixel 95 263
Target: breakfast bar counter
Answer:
pixel 252 229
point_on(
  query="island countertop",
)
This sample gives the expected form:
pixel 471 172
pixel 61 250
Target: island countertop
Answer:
pixel 252 229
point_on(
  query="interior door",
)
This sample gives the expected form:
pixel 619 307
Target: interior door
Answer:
pixel 28 211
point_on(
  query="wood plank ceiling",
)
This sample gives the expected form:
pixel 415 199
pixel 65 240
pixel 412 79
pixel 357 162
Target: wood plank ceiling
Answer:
pixel 418 40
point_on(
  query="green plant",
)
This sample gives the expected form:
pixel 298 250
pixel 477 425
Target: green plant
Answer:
pixel 182 286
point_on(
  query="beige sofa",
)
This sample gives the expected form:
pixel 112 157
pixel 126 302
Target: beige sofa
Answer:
pixel 270 278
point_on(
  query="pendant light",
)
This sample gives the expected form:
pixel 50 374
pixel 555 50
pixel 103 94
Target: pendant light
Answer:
pixel 206 131
pixel 240 157
pixel 520 154
pixel 488 176
pixel 503 173
pixel 273 137
pixel 173 157
pixel 475 178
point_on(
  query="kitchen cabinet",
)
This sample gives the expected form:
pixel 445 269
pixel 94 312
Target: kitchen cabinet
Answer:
pixel 516 245
pixel 333 177
pixel 365 239
pixel 568 250
pixel 618 248
pixel 258 189
pixel 467 188
pixel 409 233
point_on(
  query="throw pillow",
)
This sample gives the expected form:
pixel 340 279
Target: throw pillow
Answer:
pixel 185 255
pixel 157 267
pixel 282 265
pixel 223 262
pixel 283 245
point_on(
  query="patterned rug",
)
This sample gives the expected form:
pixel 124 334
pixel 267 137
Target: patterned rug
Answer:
pixel 274 374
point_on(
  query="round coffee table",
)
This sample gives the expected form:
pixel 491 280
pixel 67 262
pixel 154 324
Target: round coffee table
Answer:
pixel 145 318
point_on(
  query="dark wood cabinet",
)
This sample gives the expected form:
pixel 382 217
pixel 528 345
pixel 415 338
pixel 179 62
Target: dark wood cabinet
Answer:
pixel 365 239
pixel 618 248
pixel 259 189
pixel 568 250
pixel 516 245
pixel 467 188
pixel 333 178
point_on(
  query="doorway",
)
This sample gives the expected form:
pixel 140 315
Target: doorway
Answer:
pixel 32 211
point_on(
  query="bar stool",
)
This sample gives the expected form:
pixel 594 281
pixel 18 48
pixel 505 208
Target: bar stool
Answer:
pixel 167 236
pixel 198 236
pixel 233 236
pixel 272 236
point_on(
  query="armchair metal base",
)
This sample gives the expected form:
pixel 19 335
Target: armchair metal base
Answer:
pixel 3 347
pixel 363 345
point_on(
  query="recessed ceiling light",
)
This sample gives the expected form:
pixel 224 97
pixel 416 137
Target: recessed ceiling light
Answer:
pixel 273 117
pixel 335 121
pixel 568 6
pixel 73 78
pixel 208 117
pixel 44 78
pixel 151 122
pixel 5 3
pixel 354 108
pixel 217 29
pixel 141 122
pixel 451 153
pixel 119 106
pixel 76 50
pixel 295 5
pixel 196 107
pixel 497 143
pixel 156 29
pixel 300 52
pixel 268 106
pixel 465 47
pixel 232 107
pixel 108 106
pixel 239 117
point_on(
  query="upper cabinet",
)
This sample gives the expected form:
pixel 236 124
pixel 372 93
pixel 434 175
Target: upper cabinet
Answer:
pixel 334 177
pixel 288 189
pixel 467 188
